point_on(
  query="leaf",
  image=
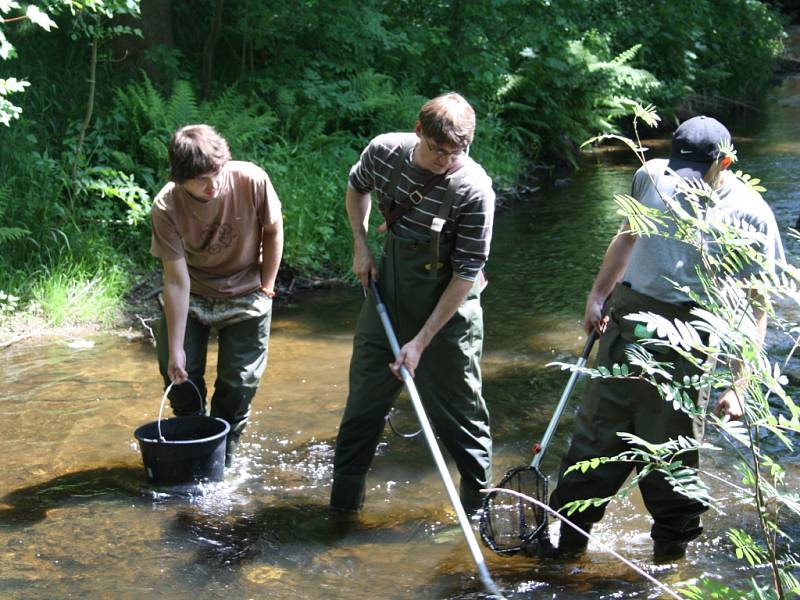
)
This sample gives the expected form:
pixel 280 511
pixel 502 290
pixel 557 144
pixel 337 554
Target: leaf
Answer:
pixel 40 18
pixel 7 5
pixel 6 49
pixel 746 547
pixel 8 234
pixel 8 111
pixel 12 85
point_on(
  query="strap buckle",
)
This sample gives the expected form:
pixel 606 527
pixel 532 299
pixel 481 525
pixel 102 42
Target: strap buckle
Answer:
pixel 415 197
pixel 437 224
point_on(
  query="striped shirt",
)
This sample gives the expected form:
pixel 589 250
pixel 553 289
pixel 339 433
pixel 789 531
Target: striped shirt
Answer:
pixel 471 216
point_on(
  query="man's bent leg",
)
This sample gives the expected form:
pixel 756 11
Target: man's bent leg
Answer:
pixel 449 382
pixel 185 399
pixel 676 518
pixel 241 362
pixel 603 412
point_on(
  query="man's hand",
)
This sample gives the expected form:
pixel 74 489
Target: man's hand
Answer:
pixel 730 404
pixel 593 316
pixel 364 265
pixel 409 357
pixel 177 367
pixel 176 310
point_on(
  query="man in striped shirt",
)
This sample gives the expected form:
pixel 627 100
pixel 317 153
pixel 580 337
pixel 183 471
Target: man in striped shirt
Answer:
pixel 430 276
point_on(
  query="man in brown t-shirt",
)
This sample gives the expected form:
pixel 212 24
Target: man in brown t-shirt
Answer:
pixel 218 231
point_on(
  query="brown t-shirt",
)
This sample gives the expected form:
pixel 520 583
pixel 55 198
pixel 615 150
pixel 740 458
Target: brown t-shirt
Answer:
pixel 220 238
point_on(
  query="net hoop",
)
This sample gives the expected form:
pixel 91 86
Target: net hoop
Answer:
pixel 505 532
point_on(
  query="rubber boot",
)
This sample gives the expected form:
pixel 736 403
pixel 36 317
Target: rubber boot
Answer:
pixel 572 543
pixel 471 498
pixel 348 492
pixel 231 443
pixel 667 551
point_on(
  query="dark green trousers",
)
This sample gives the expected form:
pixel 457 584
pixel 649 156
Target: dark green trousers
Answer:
pixel 448 376
pixel 241 361
pixel 619 405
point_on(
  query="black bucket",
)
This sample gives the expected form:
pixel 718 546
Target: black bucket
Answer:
pixel 183 449
pixel 193 449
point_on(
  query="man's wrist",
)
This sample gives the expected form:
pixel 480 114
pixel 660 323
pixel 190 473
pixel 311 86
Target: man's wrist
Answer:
pixel 270 293
pixel 422 339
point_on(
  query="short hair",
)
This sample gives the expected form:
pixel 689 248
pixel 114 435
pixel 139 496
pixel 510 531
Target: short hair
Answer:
pixel 448 119
pixel 195 150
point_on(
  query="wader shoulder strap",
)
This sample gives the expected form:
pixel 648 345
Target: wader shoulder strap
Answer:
pixel 401 207
pixel 394 179
pixel 437 225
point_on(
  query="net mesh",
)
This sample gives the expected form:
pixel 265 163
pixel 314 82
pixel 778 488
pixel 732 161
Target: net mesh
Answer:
pixel 510 524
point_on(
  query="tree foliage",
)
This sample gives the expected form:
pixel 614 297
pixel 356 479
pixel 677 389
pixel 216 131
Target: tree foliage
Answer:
pixel 308 82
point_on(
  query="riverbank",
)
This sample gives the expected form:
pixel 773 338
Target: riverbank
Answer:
pixel 139 308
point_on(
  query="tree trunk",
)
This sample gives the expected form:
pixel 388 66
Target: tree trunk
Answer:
pixel 157 23
pixel 156 26
pixel 87 117
pixel 208 50
pixel 245 37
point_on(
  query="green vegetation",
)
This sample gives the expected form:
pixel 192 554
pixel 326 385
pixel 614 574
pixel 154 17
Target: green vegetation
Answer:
pixel 69 294
pixel 299 87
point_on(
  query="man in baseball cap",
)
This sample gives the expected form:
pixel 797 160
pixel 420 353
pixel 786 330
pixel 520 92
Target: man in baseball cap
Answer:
pixel 649 274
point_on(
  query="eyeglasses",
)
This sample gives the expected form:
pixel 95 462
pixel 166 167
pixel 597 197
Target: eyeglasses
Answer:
pixel 442 153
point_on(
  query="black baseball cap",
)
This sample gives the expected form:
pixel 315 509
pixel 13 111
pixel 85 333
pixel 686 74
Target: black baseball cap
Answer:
pixel 696 145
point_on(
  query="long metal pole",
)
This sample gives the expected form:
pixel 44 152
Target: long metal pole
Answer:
pixel 562 403
pixel 463 520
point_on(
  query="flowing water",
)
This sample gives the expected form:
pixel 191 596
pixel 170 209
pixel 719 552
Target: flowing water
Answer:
pixel 78 519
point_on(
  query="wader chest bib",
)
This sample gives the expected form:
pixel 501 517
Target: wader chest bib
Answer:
pixel 401 205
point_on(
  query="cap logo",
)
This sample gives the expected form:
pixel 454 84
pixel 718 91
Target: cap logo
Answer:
pixel 685 151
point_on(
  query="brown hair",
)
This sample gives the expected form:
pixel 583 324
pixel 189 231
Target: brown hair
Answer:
pixel 448 119
pixel 195 150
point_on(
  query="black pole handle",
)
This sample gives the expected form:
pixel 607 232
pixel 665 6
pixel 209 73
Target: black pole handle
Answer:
pixel 373 286
pixel 587 348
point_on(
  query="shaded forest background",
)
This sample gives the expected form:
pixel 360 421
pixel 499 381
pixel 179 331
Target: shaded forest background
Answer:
pixel 299 87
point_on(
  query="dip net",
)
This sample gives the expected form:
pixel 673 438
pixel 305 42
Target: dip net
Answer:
pixel 510 524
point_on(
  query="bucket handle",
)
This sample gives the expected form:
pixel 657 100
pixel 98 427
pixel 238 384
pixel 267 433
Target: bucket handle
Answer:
pixel 163 401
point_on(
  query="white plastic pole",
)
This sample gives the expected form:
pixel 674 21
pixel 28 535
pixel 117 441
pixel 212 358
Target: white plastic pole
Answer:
pixel 562 403
pixel 430 437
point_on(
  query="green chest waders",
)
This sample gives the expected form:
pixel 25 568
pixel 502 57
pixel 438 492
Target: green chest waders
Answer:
pixel 448 376
pixel 634 406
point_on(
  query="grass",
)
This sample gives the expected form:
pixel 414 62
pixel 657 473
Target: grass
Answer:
pixel 70 295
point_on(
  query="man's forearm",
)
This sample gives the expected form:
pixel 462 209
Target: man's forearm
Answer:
pixel 358 208
pixel 614 264
pixel 271 253
pixel 760 317
pixel 452 297
pixel 176 310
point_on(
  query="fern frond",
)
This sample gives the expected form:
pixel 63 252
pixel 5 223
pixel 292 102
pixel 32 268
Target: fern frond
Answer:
pixel 627 56
pixel 182 106
pixel 10 234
